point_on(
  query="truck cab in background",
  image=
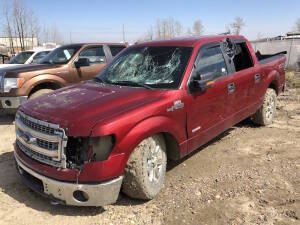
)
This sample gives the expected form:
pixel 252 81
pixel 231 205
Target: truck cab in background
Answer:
pixel 66 65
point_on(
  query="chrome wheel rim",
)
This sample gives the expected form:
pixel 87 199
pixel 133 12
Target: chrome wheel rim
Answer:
pixel 270 108
pixel 154 163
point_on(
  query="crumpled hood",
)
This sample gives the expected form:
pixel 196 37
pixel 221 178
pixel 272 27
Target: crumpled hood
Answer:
pixel 84 105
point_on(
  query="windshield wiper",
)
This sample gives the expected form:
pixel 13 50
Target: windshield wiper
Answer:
pixel 99 79
pixel 137 84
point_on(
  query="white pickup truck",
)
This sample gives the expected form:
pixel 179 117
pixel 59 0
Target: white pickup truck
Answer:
pixel 26 57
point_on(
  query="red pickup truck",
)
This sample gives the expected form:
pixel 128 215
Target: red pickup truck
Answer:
pixel 160 100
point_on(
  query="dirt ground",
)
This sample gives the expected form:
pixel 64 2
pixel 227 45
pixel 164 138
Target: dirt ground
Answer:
pixel 247 175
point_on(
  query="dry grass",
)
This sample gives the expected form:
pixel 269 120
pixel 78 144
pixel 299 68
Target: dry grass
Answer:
pixel 292 78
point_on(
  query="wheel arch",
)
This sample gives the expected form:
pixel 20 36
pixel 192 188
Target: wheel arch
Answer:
pixel 45 81
pixel 153 126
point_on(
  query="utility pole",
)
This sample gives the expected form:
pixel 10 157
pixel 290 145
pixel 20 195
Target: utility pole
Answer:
pixel 70 37
pixel 123 33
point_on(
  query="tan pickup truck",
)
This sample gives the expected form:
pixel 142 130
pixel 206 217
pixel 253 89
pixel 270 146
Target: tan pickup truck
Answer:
pixel 66 65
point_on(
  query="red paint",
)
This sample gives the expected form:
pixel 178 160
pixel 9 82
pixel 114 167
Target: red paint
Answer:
pixel 132 114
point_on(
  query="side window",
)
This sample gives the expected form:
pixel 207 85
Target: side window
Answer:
pixel 95 55
pixel 242 60
pixel 40 55
pixel 211 60
pixel 116 49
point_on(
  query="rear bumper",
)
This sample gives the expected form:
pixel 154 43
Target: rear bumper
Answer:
pixel 70 193
pixel 12 102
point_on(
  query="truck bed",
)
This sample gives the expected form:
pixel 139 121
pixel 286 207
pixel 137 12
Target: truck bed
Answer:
pixel 266 58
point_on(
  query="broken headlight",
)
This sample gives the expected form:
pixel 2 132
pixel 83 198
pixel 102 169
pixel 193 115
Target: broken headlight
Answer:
pixel 80 150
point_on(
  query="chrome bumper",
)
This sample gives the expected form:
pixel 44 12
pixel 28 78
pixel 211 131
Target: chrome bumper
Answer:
pixel 71 193
pixel 12 102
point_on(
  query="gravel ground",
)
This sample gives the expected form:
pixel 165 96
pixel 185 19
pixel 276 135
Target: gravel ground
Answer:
pixel 247 175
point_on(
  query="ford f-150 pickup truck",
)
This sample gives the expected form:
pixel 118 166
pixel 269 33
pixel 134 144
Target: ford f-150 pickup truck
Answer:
pixel 68 64
pixel 159 100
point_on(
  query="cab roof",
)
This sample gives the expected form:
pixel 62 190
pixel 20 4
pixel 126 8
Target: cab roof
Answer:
pixel 188 41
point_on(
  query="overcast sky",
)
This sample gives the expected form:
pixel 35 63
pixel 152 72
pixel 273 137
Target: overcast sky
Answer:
pixel 96 20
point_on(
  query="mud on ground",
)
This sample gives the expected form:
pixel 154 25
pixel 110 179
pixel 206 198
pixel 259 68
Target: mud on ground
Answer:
pixel 247 175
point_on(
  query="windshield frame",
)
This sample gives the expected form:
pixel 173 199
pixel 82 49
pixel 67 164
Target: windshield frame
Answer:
pixel 101 76
pixel 47 58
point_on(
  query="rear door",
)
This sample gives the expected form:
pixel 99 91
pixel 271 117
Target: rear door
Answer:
pixel 207 111
pixel 246 77
pixel 97 60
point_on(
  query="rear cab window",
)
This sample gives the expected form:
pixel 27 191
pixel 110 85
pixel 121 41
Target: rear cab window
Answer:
pixel 94 54
pixel 242 59
pixel 114 49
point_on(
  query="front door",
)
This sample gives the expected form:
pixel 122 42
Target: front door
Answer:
pixel 207 110
pixel 97 60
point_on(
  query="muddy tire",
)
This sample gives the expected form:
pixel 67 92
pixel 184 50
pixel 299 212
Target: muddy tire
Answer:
pixel 266 113
pixel 39 93
pixel 146 168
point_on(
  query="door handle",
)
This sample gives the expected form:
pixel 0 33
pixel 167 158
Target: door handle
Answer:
pixel 230 88
pixel 257 78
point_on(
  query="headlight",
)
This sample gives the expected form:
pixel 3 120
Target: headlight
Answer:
pixel 10 83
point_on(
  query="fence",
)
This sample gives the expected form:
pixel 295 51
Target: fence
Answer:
pixel 292 46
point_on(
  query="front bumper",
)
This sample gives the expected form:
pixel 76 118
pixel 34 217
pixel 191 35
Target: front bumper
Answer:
pixel 12 102
pixel 71 193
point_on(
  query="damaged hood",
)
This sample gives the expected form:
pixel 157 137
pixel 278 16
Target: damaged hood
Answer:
pixel 82 106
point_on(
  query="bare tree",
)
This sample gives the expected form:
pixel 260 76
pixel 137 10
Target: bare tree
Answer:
pixel 20 16
pixel 149 35
pixel 237 25
pixel 33 26
pixel 178 28
pixel 198 27
pixel 8 25
pixel 298 24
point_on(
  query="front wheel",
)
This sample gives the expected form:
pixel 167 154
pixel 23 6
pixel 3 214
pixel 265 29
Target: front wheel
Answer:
pixel 39 93
pixel 146 168
pixel 266 113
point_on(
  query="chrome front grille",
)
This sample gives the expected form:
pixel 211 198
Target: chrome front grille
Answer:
pixel 47 145
pixel 37 127
pixel 37 156
pixel 42 141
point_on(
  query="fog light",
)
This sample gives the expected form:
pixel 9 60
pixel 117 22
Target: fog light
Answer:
pixel 8 103
pixel 80 196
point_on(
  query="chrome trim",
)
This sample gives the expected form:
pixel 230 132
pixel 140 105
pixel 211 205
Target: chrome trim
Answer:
pixel 2 76
pixel 57 156
pixel 34 147
pixel 101 194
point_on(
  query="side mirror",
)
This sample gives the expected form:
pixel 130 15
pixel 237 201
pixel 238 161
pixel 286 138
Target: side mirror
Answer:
pixel 82 62
pixel 201 82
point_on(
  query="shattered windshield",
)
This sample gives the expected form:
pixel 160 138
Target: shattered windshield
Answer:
pixel 152 67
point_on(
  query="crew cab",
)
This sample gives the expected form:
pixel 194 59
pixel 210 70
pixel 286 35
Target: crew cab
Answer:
pixel 156 101
pixel 66 65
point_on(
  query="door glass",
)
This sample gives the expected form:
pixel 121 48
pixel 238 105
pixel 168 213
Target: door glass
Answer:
pixel 116 49
pixel 212 61
pixel 95 55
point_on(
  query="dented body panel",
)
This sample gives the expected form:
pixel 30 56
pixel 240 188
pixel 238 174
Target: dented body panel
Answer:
pixel 130 114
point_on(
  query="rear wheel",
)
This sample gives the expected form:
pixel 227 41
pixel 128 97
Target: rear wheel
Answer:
pixel 39 93
pixel 146 168
pixel 266 113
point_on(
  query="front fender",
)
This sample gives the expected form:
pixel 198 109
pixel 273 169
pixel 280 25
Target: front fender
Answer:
pixel 149 127
pixel 43 78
